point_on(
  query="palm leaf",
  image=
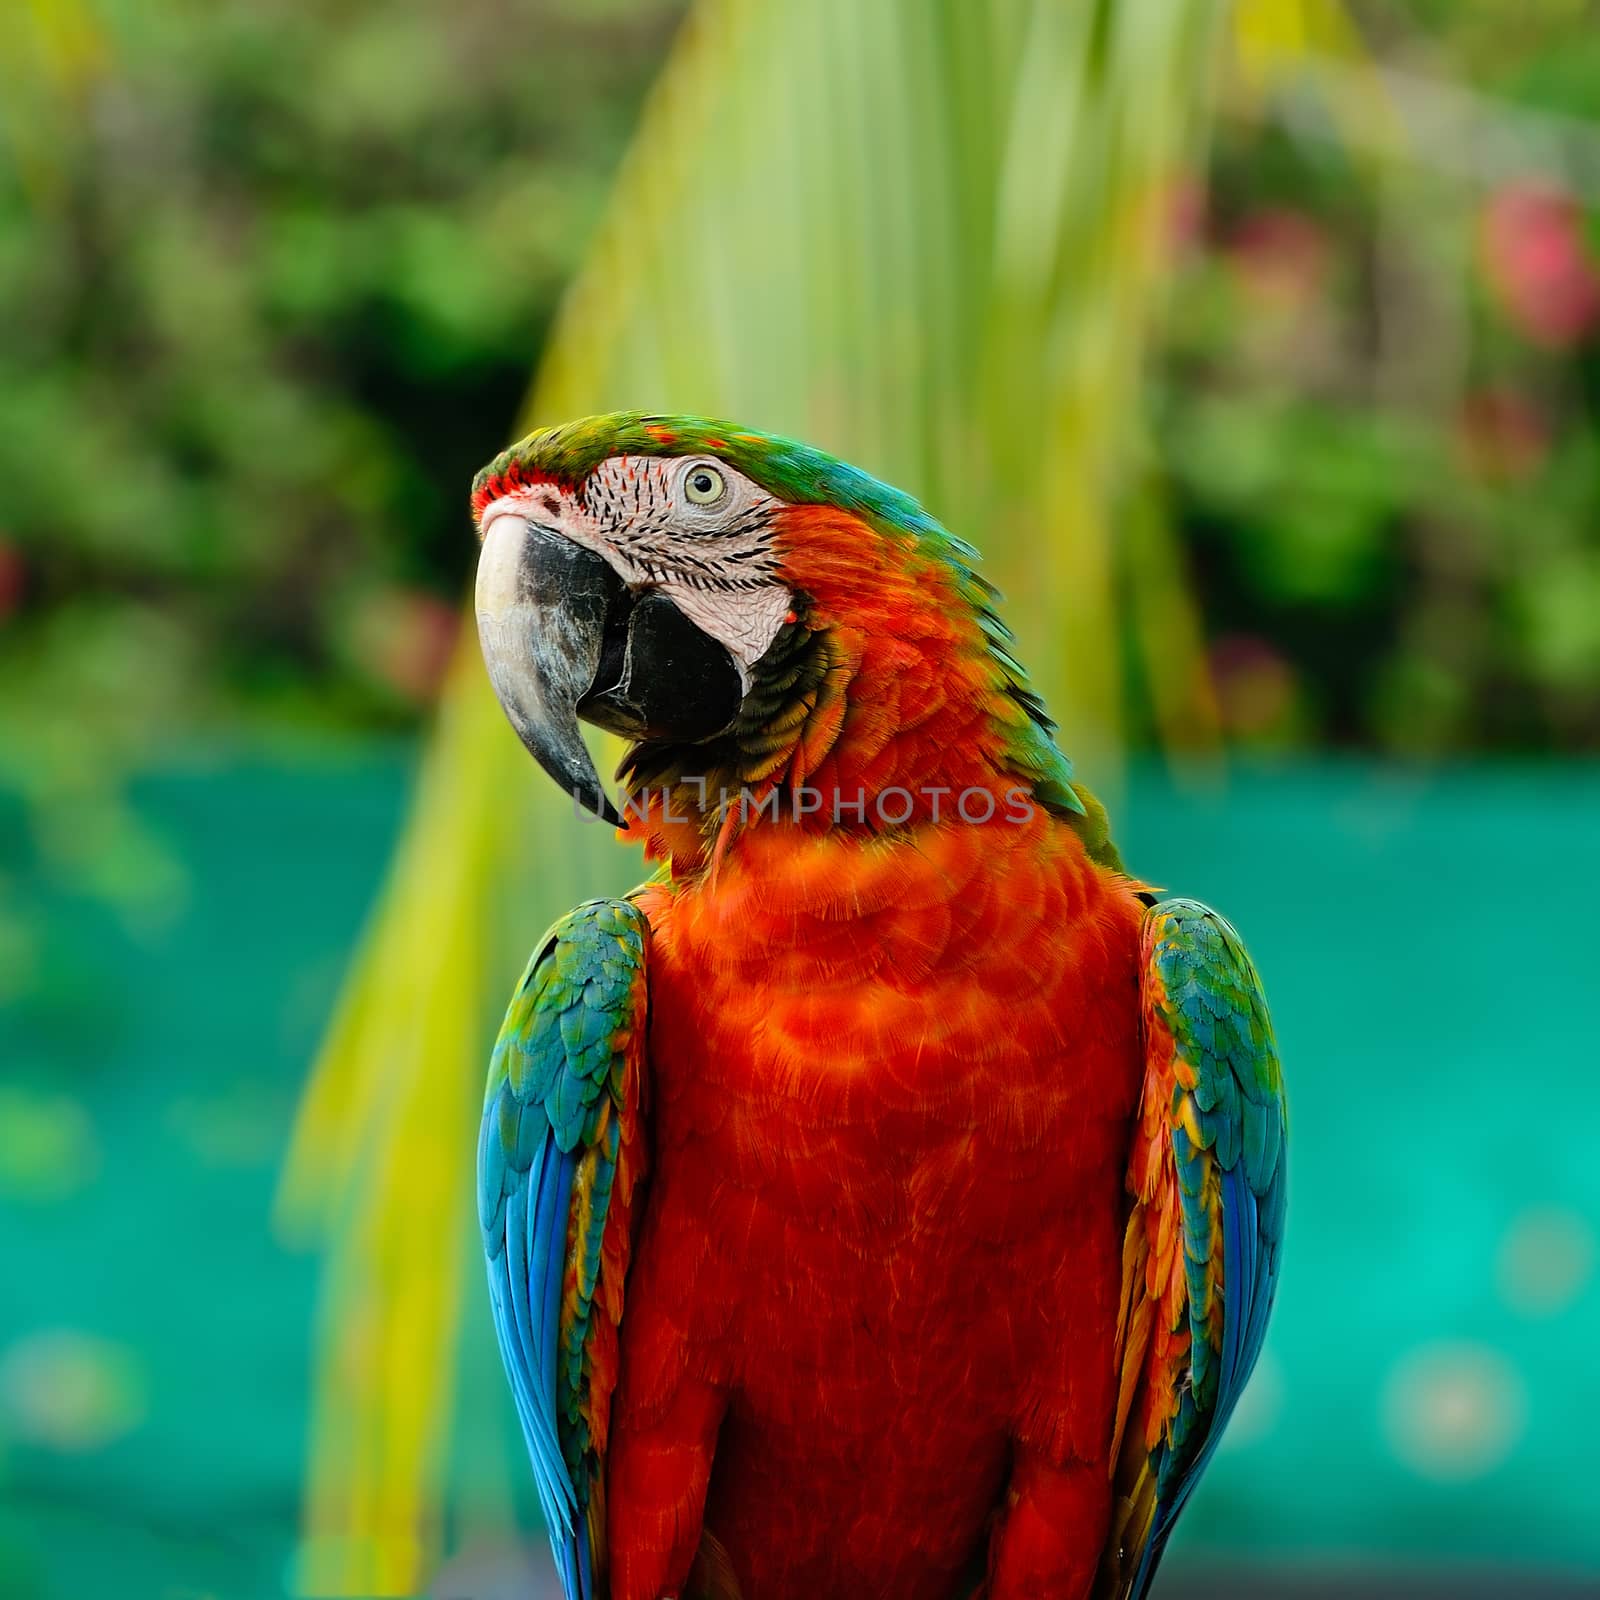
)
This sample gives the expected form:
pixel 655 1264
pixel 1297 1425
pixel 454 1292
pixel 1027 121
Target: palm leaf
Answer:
pixel 52 52
pixel 924 234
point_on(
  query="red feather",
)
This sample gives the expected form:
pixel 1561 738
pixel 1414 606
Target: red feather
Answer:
pixel 887 1209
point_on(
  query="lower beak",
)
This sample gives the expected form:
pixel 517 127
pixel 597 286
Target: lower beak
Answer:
pixel 542 603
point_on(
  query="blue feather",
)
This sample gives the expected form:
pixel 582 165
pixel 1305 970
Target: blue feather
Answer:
pixel 1217 1017
pixel 555 1059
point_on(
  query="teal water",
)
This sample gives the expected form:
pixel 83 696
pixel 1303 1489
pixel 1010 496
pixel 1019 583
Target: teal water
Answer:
pixel 1428 1390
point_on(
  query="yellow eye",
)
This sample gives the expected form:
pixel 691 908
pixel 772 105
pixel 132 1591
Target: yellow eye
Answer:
pixel 704 486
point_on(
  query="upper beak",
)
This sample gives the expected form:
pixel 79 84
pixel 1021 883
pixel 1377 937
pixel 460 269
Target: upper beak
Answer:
pixel 542 603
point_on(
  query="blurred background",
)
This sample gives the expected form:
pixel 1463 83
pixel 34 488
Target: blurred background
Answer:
pixel 1258 347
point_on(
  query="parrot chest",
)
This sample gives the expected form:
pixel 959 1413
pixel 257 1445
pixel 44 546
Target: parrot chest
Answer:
pixel 890 1136
pixel 875 1153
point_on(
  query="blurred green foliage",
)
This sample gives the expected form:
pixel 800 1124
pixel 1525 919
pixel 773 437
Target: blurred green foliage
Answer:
pixel 272 276
pixel 1380 406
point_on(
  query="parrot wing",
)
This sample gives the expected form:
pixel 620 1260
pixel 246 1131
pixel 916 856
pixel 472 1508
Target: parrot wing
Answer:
pixel 1201 1254
pixel 561 1156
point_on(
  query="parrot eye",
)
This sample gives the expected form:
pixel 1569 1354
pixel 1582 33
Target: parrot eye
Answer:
pixel 704 486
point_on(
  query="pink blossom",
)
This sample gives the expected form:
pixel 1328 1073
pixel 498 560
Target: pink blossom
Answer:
pixel 1256 687
pixel 13 579
pixel 1280 256
pixel 1186 206
pixel 1536 263
pixel 405 637
pixel 1501 434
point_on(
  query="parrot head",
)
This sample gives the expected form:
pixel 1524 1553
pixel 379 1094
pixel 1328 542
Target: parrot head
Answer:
pixel 742 605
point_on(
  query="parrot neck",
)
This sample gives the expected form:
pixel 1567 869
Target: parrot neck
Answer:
pixel 887 702
pixel 846 749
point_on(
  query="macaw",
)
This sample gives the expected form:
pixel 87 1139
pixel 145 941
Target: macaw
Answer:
pixel 886 1199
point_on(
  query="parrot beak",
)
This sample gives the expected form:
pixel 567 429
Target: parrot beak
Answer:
pixel 563 637
pixel 661 677
pixel 542 603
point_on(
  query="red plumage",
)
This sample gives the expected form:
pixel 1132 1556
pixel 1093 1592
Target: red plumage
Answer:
pixel 877 1280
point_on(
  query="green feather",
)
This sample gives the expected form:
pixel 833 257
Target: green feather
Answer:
pixel 803 475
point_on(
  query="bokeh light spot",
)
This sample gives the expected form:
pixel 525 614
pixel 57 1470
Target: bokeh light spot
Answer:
pixel 70 1391
pixel 1453 1411
pixel 47 1145
pixel 1546 1261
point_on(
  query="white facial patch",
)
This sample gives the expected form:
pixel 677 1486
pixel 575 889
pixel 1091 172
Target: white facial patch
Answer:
pixel 690 526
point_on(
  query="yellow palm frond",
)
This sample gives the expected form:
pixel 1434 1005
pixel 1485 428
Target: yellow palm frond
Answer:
pixel 926 235
pixel 51 54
